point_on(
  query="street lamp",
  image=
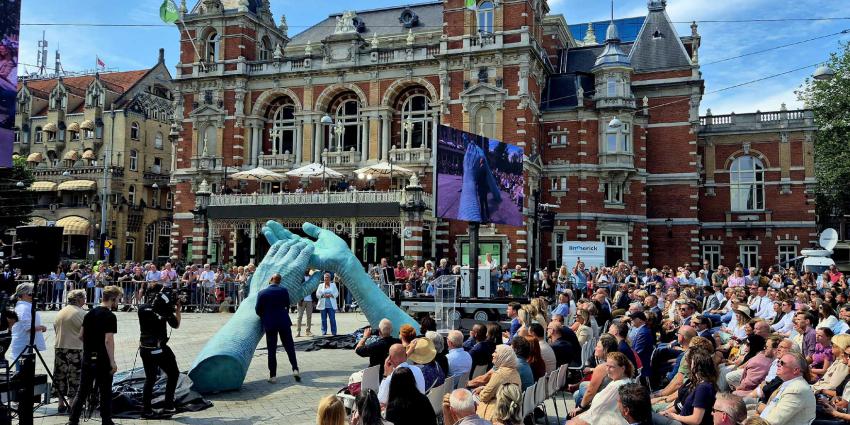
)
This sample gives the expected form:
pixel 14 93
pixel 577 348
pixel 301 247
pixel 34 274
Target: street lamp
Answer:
pixel 327 120
pixel 66 173
pixel 823 73
pixel 615 123
pixel 154 186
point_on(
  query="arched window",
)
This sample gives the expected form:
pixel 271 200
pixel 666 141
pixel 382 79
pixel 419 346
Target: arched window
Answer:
pixel 485 17
pixel 416 121
pixel 347 114
pixel 134 131
pixel 131 195
pixel 134 160
pixel 265 49
pixel 282 133
pixel 213 45
pixel 746 184
pixel 484 122
pixel 157 141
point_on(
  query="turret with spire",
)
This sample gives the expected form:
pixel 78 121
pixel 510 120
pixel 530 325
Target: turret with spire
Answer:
pixel 612 72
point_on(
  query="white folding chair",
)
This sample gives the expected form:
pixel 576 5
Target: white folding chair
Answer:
pixel 462 380
pixel 528 401
pixel 479 370
pixel 551 390
pixel 435 396
pixel 540 389
pixel 371 378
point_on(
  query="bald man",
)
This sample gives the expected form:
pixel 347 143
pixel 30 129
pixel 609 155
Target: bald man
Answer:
pixel 396 360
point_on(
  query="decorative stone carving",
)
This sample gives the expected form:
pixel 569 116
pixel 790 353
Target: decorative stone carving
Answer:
pixel 308 49
pixel 345 23
pixel 278 53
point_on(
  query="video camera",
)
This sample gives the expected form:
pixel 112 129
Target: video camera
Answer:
pixel 164 301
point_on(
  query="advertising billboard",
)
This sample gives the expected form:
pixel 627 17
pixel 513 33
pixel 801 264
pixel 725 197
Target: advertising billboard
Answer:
pixel 592 254
pixel 478 179
pixel 10 22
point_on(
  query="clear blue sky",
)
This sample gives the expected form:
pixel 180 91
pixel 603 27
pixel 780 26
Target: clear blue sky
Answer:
pixel 135 48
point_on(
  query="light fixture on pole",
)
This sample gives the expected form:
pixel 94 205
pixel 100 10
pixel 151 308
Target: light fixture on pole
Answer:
pixel 19 184
pixel 823 73
pixel 155 186
pixel 615 123
pixel 327 120
pixel 66 173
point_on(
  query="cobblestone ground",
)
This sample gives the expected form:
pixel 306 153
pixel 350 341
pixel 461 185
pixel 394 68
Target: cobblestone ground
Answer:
pixel 323 372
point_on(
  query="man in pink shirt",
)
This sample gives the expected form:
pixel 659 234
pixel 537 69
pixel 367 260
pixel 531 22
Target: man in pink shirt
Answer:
pixel 755 370
pixel 737 279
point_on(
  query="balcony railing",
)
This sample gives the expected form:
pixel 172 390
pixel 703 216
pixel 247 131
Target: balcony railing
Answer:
pixel 414 156
pixel 280 161
pixel 483 39
pixel 615 102
pixel 617 160
pixel 341 159
pixel 758 120
pixel 50 173
pixel 207 162
pixel 313 198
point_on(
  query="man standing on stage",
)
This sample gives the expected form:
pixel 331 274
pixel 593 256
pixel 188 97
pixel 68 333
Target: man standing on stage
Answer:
pixel 273 309
pixel 98 335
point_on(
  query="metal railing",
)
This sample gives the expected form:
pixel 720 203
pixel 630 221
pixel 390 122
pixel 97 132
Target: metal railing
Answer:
pixel 359 197
pixel 223 296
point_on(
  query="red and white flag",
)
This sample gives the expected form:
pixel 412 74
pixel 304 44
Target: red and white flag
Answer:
pixel 100 63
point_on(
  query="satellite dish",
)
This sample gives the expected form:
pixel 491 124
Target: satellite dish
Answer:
pixel 828 239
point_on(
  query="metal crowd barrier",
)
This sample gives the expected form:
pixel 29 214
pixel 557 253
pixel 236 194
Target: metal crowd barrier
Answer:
pixel 224 296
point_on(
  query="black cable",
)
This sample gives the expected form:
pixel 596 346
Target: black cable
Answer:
pixel 775 48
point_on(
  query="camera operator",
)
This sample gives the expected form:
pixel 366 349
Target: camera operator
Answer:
pixel 161 310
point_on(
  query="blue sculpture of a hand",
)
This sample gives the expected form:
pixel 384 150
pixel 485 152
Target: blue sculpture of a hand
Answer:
pixel 332 253
pixel 223 362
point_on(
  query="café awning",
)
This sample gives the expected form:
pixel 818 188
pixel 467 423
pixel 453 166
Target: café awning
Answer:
pixel 74 225
pixel 78 185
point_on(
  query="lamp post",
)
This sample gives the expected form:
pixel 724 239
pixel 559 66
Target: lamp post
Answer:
pixel 107 159
pixel 823 73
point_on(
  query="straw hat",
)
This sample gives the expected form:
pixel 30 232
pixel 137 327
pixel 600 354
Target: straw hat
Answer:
pixel 745 311
pixel 424 351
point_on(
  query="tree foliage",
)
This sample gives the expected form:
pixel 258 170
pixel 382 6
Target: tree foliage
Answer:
pixel 830 100
pixel 16 203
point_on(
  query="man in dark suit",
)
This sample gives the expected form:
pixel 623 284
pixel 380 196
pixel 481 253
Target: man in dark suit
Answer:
pixel 377 351
pixel 273 309
pixel 482 351
pixel 644 342
pixel 7 281
pixel 564 343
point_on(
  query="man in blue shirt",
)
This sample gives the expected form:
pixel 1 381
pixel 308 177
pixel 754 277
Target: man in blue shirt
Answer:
pixel 273 309
pixel 513 312
pixel 563 307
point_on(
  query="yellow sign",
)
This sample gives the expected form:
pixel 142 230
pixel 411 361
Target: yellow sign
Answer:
pixel 108 244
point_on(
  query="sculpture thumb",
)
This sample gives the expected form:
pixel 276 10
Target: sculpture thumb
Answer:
pixel 223 362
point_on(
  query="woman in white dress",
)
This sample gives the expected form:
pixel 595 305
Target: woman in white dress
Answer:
pixel 603 408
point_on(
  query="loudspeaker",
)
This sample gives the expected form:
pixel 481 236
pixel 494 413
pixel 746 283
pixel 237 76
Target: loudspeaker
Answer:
pixel 37 249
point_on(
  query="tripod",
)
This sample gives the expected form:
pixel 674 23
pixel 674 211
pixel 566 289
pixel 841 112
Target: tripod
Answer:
pixel 27 362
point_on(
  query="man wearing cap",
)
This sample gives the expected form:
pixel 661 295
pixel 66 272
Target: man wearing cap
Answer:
pixel 21 329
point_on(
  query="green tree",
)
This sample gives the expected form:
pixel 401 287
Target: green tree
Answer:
pixel 830 100
pixel 16 201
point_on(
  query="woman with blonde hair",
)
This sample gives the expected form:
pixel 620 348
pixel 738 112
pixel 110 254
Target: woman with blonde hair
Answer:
pixel 330 411
pixel 540 311
pixel 508 406
pixel 604 404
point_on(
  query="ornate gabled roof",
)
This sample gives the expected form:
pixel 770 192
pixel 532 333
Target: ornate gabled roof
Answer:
pixel 658 46
pixel 383 22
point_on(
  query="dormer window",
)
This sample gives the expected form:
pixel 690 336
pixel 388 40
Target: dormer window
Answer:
pixel 265 49
pixel 657 34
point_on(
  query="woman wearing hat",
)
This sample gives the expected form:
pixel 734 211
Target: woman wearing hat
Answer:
pixel 487 386
pixel 837 371
pixel 21 330
pixel 422 353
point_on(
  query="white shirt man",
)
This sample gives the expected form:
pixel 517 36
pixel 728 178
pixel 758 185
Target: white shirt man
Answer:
pixel 208 277
pixel 384 389
pixel 762 305
pixel 460 362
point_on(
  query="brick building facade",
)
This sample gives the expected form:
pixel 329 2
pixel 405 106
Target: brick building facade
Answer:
pixel 611 128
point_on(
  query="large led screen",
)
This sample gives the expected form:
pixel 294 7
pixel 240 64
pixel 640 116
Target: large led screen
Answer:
pixel 478 179
pixel 10 20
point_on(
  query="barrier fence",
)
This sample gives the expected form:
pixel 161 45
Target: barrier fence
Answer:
pixel 53 294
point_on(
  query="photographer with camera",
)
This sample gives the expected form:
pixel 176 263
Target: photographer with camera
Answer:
pixel 161 310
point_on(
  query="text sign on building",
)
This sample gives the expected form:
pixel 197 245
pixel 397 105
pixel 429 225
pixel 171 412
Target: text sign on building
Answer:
pixel 591 254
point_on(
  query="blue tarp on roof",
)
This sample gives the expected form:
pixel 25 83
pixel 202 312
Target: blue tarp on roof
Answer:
pixel 627 27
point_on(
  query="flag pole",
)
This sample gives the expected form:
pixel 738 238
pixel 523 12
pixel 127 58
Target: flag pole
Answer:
pixel 191 40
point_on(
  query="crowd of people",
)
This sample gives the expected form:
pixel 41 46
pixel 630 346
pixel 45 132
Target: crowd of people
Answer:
pixel 669 346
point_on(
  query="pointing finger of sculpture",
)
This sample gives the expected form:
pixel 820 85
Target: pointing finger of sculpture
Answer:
pixel 311 229
pixel 280 231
